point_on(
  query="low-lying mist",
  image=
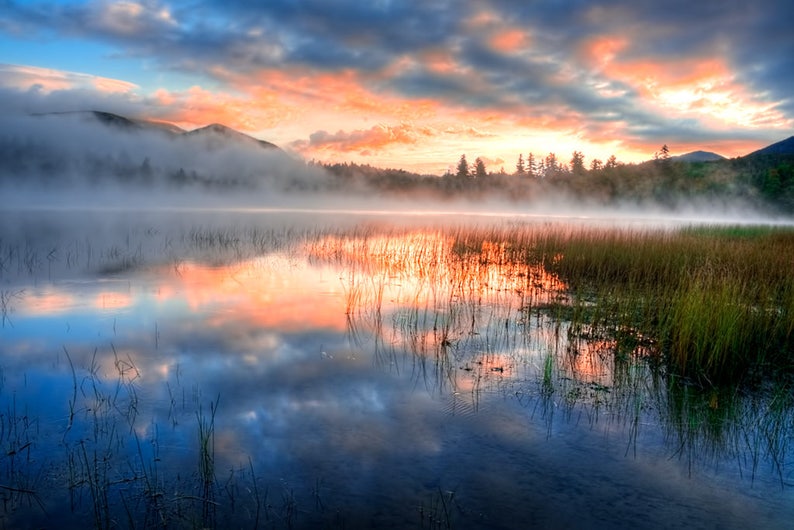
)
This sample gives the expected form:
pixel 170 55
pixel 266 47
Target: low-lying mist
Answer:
pixel 88 160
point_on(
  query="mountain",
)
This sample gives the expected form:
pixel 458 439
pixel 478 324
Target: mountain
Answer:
pixel 215 133
pixel 224 133
pixel 783 147
pixel 699 156
pixel 101 149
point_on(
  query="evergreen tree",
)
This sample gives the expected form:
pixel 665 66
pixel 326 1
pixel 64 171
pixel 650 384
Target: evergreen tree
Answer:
pixel 663 154
pixel 479 169
pixel 577 163
pixel 532 165
pixel 463 167
pixel 552 166
pixel 520 169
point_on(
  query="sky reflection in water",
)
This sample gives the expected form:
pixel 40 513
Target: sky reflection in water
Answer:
pixel 367 375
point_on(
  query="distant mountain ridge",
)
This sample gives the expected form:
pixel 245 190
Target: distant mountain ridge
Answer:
pixel 783 147
pixel 91 149
pixel 218 129
pixel 123 122
pixel 220 132
pixel 699 156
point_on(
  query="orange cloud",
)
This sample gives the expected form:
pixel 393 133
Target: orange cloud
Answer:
pixel 695 86
pixel 365 141
pixel 48 302
pixel 343 92
pixel 601 51
pixel 286 302
pixel 508 41
pixel 288 101
pixel 197 107
pixel 113 300
pixel 440 61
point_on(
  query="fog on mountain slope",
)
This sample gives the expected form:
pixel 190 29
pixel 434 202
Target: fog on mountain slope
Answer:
pixel 98 150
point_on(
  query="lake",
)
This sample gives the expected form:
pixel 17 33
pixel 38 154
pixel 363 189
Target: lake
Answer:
pixel 280 369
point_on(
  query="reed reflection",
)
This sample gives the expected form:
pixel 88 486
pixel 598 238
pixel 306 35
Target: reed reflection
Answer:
pixel 244 363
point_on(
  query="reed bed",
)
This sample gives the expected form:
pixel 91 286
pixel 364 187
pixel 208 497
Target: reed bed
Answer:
pixel 713 304
pixel 718 301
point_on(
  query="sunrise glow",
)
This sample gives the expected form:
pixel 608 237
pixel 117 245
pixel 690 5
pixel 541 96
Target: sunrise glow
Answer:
pixel 415 86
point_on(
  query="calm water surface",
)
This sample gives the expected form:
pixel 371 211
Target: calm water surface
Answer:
pixel 276 370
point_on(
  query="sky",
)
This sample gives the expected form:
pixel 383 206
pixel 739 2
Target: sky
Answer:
pixel 415 85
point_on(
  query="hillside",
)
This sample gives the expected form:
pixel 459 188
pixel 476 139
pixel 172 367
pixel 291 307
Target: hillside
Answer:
pixel 104 149
pixel 783 147
pixel 698 156
pixel 216 132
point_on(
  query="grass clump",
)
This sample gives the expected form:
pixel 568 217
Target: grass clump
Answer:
pixel 719 301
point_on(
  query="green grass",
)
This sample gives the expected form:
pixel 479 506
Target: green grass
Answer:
pixel 714 304
pixel 719 301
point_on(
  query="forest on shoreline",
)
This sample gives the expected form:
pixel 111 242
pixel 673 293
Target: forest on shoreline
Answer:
pixel 84 152
pixel 763 180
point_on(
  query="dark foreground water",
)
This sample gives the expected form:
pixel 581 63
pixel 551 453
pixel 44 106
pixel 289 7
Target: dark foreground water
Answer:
pixel 272 370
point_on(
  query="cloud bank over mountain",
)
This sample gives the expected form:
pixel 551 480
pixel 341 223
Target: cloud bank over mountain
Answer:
pixel 93 152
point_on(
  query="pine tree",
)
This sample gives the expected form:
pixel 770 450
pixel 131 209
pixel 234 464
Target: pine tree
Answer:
pixel 552 167
pixel 463 168
pixel 532 166
pixel 479 169
pixel 577 163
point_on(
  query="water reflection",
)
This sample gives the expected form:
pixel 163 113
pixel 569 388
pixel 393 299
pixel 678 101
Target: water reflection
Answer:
pixel 256 375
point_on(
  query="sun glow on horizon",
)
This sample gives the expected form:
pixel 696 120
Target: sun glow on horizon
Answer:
pixel 491 84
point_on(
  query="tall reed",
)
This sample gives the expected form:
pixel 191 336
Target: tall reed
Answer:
pixel 718 301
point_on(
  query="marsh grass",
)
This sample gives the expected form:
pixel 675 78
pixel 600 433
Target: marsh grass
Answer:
pixel 206 460
pixel 438 514
pixel 95 468
pixel 7 297
pixel 717 301
pixel 691 327
pixel 712 304
pixel 711 423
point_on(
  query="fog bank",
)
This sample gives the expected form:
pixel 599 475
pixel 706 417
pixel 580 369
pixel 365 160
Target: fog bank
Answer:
pixel 92 160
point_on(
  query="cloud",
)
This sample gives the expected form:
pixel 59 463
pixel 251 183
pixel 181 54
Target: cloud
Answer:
pixel 641 71
pixel 370 140
pixel 47 80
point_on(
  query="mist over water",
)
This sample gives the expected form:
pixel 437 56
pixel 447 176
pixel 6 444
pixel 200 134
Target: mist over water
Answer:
pixel 77 161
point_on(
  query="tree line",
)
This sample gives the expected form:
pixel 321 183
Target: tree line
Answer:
pixel 535 166
pixel 767 181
